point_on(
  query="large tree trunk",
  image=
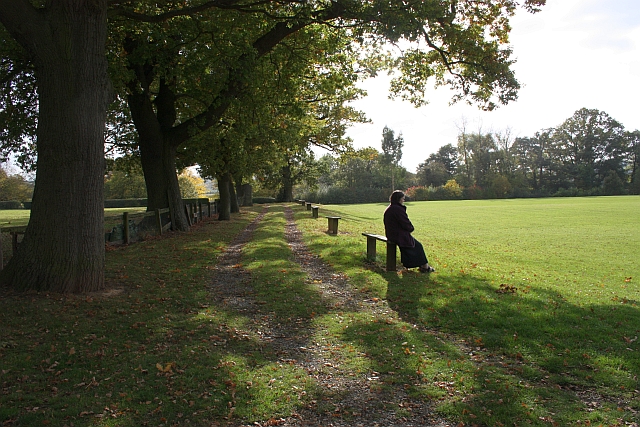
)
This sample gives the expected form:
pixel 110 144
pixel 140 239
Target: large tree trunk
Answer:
pixel 287 184
pixel 233 197
pixel 158 158
pixel 225 197
pixel 63 246
pixel 247 195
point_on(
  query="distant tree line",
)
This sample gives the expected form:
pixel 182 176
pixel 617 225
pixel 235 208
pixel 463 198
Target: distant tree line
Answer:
pixel 14 187
pixel 589 154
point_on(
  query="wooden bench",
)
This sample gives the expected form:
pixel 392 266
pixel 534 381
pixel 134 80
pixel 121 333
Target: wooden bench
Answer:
pixel 371 249
pixel 314 211
pixel 333 224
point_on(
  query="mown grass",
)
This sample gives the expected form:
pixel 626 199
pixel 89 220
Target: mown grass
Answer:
pixel 154 351
pixel 540 297
pixel 530 319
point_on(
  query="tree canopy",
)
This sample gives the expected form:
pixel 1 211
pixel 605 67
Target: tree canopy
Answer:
pixel 180 66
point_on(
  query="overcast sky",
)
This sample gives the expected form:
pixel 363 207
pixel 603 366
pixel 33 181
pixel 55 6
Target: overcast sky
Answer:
pixel 572 54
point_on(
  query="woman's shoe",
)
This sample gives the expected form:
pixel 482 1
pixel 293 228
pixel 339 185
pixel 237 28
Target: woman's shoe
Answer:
pixel 427 269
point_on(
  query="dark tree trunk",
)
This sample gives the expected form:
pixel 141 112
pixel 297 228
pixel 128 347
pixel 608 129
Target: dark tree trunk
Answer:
pixel 158 156
pixel 239 192
pixel 287 184
pixel 225 197
pixel 157 153
pixel 63 246
pixel 156 130
pixel 247 192
pixel 233 197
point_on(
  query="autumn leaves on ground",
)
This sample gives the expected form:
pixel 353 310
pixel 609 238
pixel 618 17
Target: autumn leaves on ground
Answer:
pixel 499 335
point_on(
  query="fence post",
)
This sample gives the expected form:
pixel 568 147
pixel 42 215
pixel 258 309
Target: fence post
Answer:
pixel 125 227
pixel 186 210
pixel 209 207
pixel 159 222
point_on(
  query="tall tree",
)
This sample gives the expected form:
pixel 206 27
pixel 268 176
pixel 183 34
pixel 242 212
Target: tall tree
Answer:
pixel 590 144
pixel 392 151
pixel 62 250
pixel 633 143
pixel 439 167
pixel 65 41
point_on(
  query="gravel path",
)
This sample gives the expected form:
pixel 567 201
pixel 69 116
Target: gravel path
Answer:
pixel 343 400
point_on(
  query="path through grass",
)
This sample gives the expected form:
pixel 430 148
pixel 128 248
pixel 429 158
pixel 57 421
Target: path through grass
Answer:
pixel 540 296
pixel 531 319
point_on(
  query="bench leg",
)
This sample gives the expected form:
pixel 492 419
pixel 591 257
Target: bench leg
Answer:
pixel 371 248
pixel 333 226
pixel 391 256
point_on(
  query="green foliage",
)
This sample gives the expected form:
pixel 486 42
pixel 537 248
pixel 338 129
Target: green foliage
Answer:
pixel 391 146
pixel 337 195
pixel 18 103
pixel 122 185
pixel 191 186
pixel 14 187
pixel 418 193
pixel 501 186
pixel 588 154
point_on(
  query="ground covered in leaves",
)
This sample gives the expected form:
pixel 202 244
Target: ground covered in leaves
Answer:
pixel 343 399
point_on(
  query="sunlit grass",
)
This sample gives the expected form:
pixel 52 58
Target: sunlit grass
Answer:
pixel 541 296
pixel 530 319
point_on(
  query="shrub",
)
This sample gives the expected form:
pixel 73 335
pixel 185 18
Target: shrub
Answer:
pixel 262 200
pixel 473 192
pixel 418 193
pixel 125 203
pixel 452 190
pixel 11 204
pixel 337 196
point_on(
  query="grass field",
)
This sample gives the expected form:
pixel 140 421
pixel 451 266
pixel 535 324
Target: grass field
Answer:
pixel 532 318
pixel 541 296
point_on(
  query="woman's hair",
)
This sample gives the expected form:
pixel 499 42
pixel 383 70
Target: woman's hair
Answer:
pixel 396 196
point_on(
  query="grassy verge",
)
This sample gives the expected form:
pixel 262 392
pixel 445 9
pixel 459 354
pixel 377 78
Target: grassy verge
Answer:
pixel 153 351
pixel 531 319
pixel 540 298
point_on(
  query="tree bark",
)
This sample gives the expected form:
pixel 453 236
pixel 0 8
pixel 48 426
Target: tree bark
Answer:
pixel 287 184
pixel 225 197
pixel 157 150
pixel 63 246
pixel 158 158
pixel 233 197
pixel 247 192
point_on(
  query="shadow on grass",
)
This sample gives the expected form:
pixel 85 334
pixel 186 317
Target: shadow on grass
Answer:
pixel 536 356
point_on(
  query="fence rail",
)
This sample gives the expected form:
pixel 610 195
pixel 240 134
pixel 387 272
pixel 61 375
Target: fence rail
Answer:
pixel 127 227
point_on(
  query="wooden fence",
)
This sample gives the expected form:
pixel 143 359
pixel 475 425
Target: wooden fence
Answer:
pixel 127 227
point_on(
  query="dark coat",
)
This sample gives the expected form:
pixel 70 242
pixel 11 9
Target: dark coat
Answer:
pixel 397 226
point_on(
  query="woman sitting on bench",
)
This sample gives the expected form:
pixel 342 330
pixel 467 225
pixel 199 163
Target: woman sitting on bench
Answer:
pixel 398 228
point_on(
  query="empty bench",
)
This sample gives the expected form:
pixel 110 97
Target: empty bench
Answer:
pixel 371 249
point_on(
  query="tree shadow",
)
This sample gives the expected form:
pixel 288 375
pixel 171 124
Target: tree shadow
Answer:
pixel 534 352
